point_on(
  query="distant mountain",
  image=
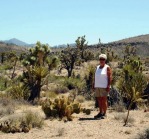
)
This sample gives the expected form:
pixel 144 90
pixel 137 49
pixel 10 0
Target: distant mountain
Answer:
pixel 140 38
pixel 6 47
pixel 18 42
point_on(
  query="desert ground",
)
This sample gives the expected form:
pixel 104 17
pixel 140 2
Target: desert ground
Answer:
pixel 109 128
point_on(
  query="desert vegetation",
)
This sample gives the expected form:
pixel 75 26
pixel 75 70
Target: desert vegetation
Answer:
pixel 58 85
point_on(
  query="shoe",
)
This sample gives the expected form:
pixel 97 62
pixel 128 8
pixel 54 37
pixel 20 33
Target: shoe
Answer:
pixel 98 115
pixel 103 116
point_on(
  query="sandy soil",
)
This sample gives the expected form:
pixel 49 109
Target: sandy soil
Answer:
pixel 109 128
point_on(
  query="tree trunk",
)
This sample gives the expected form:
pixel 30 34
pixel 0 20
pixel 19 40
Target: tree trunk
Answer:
pixel 35 91
pixel 14 68
pixel 126 120
pixel 69 73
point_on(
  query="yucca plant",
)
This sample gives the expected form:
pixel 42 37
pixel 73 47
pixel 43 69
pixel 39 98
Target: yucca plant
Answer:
pixel 135 97
pixel 132 82
pixel 37 68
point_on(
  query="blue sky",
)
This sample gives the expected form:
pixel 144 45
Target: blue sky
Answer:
pixel 62 21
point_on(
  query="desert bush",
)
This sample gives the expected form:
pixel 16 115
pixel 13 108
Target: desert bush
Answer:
pixel 18 91
pixel 122 117
pixel 89 77
pixel 60 132
pixel 80 99
pixel 119 107
pixel 88 55
pixel 8 105
pixel 119 116
pixel 4 82
pixel 6 110
pixel 60 89
pixel 21 123
pixel 144 135
pixel 33 119
pixel 74 83
pixel 51 94
pixel 61 108
pixel 131 120
pixel 56 79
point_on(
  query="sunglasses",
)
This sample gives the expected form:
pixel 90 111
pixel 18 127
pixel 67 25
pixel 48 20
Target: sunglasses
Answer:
pixel 101 59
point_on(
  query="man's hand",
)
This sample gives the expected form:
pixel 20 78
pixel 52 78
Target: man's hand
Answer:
pixel 93 88
pixel 108 89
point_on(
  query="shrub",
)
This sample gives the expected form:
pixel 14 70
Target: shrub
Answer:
pixel 119 107
pixel 60 90
pixel 6 110
pixel 122 117
pixel 19 92
pixel 21 123
pixel 33 119
pixel 51 94
pixel 80 99
pixel 74 83
pixel 144 135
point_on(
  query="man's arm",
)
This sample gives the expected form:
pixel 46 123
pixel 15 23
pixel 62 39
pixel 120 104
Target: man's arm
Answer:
pixel 109 74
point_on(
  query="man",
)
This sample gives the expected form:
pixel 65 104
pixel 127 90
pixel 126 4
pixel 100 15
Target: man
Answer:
pixel 101 84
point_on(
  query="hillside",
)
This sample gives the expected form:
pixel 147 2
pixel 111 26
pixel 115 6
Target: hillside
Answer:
pixel 4 47
pixel 18 42
pixel 141 38
pixel 141 43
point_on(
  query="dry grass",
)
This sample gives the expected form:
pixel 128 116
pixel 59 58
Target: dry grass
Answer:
pixel 8 106
pixel 122 117
pixel 60 90
pixel 60 132
pixel 50 94
pixel 80 99
pixel 33 119
pixel 119 107
pixel 144 135
pixel 21 123
pixel 128 132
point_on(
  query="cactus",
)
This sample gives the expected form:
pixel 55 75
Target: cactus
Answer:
pixel 60 108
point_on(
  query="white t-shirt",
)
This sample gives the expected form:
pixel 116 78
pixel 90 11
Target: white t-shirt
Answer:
pixel 101 77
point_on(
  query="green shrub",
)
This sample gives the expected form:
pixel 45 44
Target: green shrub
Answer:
pixel 19 91
pixel 74 83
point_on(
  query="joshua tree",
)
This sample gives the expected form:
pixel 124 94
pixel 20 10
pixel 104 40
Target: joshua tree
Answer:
pixel 132 82
pixel 13 58
pixel 81 45
pixel 68 58
pixel 37 69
